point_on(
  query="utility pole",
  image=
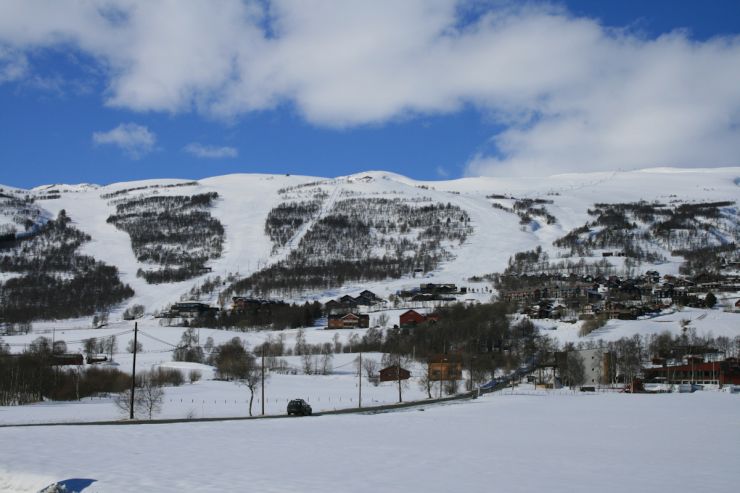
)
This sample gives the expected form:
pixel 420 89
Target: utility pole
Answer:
pixel 133 373
pixel 262 386
pixel 359 373
pixel 398 374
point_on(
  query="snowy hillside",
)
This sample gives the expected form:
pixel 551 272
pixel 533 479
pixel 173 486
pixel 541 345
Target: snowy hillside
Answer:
pixel 154 243
pixel 490 219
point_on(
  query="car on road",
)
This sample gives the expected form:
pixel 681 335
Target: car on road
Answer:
pixel 299 407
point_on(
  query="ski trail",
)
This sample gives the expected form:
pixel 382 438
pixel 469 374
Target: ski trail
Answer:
pixel 295 240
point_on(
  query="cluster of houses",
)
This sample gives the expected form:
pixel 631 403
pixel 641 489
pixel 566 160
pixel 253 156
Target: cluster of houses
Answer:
pixel 349 312
pixel 347 303
pixel 693 366
pixel 432 292
pixel 188 309
pixel 696 369
pixel 560 296
pixel 193 309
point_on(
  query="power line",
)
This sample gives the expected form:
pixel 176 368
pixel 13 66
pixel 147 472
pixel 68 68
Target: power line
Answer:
pixel 158 339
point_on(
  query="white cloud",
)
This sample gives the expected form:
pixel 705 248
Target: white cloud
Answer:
pixel 13 65
pixel 135 140
pixel 571 93
pixel 210 152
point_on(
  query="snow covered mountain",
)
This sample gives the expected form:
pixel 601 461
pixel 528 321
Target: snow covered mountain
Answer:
pixel 299 237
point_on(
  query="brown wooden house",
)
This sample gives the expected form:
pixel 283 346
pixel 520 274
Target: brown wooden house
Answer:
pixel 391 374
pixel 445 367
pixel 348 300
pixel 369 295
pixel 334 307
pixel 412 318
pixel 349 321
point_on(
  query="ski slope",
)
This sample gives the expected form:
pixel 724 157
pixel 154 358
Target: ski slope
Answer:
pixel 246 199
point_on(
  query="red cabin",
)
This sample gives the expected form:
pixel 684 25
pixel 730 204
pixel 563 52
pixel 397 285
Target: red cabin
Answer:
pixel 412 317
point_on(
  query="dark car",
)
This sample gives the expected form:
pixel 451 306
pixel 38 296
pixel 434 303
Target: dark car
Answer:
pixel 299 407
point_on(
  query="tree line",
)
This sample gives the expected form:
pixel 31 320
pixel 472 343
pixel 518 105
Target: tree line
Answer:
pixel 640 229
pixel 56 281
pixel 364 239
pixel 174 232
pixel 275 316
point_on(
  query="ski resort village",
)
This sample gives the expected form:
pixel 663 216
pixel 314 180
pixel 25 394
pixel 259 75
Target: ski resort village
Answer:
pixel 593 306
pixel 369 246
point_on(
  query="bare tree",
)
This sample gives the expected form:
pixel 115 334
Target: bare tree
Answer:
pixel 252 378
pixel 208 346
pixel 451 386
pixel 111 346
pixel 326 359
pixel 337 343
pixel 59 347
pixel 300 343
pixel 148 398
pixel 353 340
pixel 307 363
pixel 189 348
pixel 190 337
pixel 194 376
pixel 130 346
pixel 575 372
pixel 426 382
pixel 628 357
pixel 89 345
pixel 370 366
pixel 234 362
pixel 133 312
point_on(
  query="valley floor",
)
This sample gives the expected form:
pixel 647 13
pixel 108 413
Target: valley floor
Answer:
pixel 525 442
pixel 218 399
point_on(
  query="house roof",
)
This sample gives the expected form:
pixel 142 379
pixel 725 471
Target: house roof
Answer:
pixel 408 312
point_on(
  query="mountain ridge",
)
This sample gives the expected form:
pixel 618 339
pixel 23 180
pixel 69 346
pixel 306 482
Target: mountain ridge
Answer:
pixel 503 219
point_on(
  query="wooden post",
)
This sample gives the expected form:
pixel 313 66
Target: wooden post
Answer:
pixel 262 385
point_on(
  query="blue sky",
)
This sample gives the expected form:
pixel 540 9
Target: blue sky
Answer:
pixel 430 90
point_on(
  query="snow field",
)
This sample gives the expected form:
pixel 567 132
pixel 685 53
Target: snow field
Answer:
pixel 513 443
pixel 212 399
